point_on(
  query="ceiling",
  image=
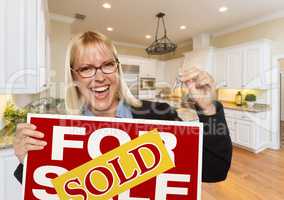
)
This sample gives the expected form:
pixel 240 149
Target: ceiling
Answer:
pixel 133 19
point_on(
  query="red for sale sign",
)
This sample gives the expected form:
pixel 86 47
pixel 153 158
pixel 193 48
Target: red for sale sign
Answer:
pixel 73 141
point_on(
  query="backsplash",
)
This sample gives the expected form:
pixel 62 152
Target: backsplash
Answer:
pixel 229 94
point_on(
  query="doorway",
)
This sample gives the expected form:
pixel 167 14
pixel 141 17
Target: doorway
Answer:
pixel 281 61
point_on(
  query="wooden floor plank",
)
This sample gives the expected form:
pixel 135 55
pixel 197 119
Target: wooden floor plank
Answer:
pixel 251 177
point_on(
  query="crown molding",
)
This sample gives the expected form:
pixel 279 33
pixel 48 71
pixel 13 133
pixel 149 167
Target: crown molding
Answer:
pixel 61 18
pixel 129 44
pixel 248 24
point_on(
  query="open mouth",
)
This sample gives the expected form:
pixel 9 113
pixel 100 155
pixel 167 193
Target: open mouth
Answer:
pixel 100 92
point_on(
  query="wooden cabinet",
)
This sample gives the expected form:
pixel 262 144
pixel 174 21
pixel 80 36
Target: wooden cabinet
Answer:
pixel 24 46
pixel 247 129
pixel 10 188
pixel 243 66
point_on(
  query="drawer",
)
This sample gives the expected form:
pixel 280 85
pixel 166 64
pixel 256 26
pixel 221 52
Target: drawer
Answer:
pixel 229 113
pixel 245 115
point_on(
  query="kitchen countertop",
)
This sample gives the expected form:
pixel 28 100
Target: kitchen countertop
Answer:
pixel 176 103
pixel 256 108
pixel 6 141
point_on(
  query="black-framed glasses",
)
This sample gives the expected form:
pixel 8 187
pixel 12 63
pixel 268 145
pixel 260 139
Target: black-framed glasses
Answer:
pixel 87 71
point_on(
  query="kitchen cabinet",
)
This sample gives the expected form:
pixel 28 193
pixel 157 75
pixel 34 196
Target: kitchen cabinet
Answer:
pixel 202 58
pixel 171 70
pixel 256 65
pixel 147 67
pixel 232 128
pixel 234 68
pixel 228 68
pixel 220 69
pixel 243 66
pixel 10 188
pixel 244 133
pixel 248 130
pixel 24 46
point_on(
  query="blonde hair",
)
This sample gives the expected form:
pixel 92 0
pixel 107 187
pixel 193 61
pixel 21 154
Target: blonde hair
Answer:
pixel 74 101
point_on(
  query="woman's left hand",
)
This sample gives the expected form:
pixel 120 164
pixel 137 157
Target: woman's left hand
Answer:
pixel 201 88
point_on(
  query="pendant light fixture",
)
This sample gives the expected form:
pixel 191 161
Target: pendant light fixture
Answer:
pixel 161 45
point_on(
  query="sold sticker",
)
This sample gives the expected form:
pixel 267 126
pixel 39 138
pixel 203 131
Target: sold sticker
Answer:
pixel 116 171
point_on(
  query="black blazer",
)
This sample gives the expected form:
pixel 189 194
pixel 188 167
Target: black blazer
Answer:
pixel 217 145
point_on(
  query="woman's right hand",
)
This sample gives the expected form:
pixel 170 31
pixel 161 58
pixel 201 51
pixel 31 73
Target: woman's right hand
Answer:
pixel 27 139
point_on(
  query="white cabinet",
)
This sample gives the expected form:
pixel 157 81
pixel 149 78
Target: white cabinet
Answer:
pixel 202 58
pixel 220 69
pixel 252 60
pixel 256 65
pixel 232 128
pixel 243 66
pixel 10 188
pixel 227 70
pixel 244 133
pixel 147 67
pixel 171 70
pixel 24 46
pixel 249 130
pixel 234 68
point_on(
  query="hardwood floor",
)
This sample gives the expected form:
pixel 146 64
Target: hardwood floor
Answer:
pixel 251 177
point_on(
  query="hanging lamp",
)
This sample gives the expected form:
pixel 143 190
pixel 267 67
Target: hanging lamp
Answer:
pixel 161 45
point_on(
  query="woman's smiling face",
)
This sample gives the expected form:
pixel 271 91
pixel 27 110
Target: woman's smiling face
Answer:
pixel 101 90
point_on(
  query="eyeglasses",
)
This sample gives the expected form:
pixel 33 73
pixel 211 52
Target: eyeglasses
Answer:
pixel 87 71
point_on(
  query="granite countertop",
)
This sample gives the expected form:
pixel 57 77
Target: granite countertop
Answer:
pixel 6 136
pixel 256 108
pixel 6 141
pixel 176 103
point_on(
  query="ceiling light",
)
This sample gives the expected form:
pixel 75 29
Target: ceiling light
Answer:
pixel 163 44
pixel 109 29
pixel 106 5
pixel 182 27
pixel 223 9
pixel 148 36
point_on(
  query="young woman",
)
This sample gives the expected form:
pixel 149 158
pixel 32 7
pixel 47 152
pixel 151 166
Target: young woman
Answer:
pixel 96 88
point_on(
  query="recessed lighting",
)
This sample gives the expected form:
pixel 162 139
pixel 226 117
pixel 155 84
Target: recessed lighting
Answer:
pixel 106 5
pixel 183 27
pixel 109 29
pixel 148 36
pixel 223 9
